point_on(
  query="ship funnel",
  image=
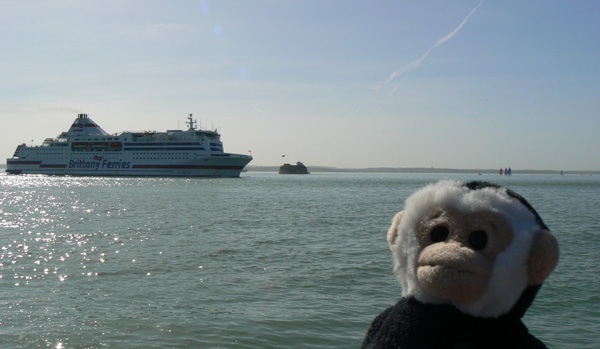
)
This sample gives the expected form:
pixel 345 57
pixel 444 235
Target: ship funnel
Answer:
pixel 84 126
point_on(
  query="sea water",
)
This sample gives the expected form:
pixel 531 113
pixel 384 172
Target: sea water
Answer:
pixel 262 261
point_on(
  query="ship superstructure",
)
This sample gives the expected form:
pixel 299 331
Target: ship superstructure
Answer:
pixel 87 150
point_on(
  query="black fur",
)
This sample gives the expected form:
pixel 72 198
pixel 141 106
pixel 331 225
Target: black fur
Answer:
pixel 476 185
pixel 412 324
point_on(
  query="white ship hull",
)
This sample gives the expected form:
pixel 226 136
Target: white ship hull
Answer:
pixel 87 166
pixel 86 150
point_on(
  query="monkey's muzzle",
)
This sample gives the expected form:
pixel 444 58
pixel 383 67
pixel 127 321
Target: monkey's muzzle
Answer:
pixel 453 272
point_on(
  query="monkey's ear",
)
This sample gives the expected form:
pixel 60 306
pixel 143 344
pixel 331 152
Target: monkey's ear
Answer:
pixel 543 257
pixel 393 231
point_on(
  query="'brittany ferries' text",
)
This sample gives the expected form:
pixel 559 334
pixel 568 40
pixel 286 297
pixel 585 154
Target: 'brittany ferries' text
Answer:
pixel 96 165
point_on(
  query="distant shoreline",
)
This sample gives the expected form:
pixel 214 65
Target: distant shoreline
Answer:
pixel 252 168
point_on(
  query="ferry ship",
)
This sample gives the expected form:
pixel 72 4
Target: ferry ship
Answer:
pixel 87 150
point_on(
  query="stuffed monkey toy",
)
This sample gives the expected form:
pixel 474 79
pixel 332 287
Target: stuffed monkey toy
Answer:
pixel 470 258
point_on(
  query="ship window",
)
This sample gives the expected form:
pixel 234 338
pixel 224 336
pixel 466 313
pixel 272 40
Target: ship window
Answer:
pixel 80 146
pixel 116 146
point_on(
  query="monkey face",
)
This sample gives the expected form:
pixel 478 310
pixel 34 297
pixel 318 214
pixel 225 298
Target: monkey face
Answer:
pixel 458 250
pixel 475 245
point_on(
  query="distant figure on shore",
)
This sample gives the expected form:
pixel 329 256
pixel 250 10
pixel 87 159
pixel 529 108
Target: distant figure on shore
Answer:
pixel 501 171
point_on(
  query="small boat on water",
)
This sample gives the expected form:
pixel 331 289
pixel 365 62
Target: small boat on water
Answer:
pixel 299 168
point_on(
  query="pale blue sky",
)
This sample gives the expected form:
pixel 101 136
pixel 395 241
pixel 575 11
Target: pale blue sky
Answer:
pixel 508 83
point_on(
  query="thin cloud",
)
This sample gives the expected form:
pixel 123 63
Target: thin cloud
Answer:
pixel 258 109
pixel 415 64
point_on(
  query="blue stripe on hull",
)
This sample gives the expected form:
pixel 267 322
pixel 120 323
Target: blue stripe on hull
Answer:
pixel 53 166
pixel 157 143
pixel 189 167
pixel 163 149
pixel 17 162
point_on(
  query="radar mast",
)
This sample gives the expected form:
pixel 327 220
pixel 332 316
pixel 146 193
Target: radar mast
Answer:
pixel 191 122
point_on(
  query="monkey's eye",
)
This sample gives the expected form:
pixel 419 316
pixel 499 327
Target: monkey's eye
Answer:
pixel 439 234
pixel 478 239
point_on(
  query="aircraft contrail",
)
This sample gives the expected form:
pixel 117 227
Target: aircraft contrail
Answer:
pixel 415 64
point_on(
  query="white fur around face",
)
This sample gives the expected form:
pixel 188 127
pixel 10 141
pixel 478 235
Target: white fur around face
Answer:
pixel 509 277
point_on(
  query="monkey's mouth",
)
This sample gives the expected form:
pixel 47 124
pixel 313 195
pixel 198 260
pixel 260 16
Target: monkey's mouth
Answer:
pixel 459 262
pixel 445 269
pixel 451 283
pixel 442 274
pixel 451 272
